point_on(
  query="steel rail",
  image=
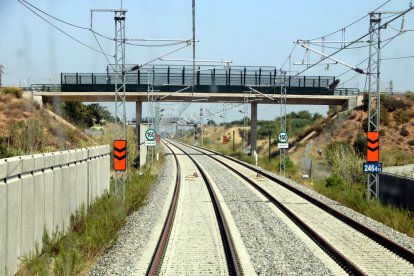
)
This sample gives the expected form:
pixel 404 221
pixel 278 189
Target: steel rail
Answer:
pixel 338 257
pixel 229 248
pixel 157 257
pixel 389 244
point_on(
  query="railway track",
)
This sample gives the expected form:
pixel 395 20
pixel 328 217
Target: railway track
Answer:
pixel 356 248
pixel 195 238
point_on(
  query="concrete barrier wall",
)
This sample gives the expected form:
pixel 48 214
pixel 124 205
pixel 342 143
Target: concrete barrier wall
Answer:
pixel 40 192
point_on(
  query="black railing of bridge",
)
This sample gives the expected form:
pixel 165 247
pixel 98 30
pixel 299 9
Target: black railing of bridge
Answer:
pixel 207 79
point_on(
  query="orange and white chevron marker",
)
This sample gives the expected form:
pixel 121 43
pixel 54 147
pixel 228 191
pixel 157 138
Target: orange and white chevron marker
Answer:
pixel 373 147
pixel 120 153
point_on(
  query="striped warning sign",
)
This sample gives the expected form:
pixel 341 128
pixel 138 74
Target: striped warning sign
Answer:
pixel 373 147
pixel 120 155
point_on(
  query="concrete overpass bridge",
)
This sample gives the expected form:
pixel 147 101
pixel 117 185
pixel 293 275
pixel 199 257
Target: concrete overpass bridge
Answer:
pixel 236 84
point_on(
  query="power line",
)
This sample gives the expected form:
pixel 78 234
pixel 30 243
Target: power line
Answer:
pixel 95 32
pixel 58 19
pixel 56 27
pixel 388 41
pixel 333 47
pixel 349 25
pixel 391 58
pixel 102 51
pixel 356 40
pixel 290 55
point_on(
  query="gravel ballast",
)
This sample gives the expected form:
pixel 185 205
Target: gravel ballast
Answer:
pixel 126 256
pixel 273 245
pixel 273 248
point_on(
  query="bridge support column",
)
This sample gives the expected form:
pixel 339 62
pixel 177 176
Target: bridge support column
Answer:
pixel 352 103
pixel 253 127
pixel 138 118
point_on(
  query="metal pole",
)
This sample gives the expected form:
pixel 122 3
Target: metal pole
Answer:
pixel 374 92
pixel 120 125
pixel 201 127
pixel 282 164
pixel 233 141
pixel 194 132
pixel 269 146
pixel 193 10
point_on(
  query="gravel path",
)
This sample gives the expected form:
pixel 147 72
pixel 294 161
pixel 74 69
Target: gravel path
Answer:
pixel 134 246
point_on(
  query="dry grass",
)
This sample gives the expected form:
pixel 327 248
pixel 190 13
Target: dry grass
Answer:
pixel 16 92
pixel 49 133
pixel 6 98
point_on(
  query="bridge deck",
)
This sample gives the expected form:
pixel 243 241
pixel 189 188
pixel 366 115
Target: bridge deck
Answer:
pixel 210 85
pixel 196 97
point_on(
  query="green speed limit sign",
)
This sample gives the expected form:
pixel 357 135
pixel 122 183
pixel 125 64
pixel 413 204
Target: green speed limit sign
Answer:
pixel 150 134
pixel 282 137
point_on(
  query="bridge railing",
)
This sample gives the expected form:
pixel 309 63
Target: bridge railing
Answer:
pixel 183 76
pixel 46 87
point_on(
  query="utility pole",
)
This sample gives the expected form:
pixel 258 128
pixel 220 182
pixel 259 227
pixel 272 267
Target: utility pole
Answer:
pixel 193 17
pixel 282 155
pixel 152 96
pixel 120 89
pixel 374 91
pixel 201 128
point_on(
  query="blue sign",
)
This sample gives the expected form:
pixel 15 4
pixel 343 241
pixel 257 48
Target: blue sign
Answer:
pixel 372 167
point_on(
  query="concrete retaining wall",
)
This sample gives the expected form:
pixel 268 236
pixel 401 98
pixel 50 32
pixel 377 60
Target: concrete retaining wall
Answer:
pixel 41 191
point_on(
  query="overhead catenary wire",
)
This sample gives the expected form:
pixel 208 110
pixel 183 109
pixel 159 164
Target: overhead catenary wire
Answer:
pixel 106 57
pixel 349 25
pixel 393 58
pixel 354 41
pixel 388 41
pixel 59 29
pixel 290 55
pixel 27 4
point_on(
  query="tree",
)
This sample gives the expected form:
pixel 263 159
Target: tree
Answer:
pixel 86 115
pixel 211 122
pixel 100 113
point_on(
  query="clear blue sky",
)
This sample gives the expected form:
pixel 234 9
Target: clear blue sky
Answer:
pixel 245 31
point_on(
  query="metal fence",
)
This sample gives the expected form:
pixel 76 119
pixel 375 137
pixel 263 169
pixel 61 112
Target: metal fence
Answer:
pixel 182 75
pixel 396 190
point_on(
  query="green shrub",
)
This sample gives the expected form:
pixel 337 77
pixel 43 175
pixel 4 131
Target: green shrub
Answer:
pixel 392 104
pixel 334 180
pixel 345 162
pixel 385 117
pixel 15 91
pixel 410 95
pixel 404 132
pixel 335 147
pixel 402 117
pixel 365 102
pixel 360 144
pixel 410 142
